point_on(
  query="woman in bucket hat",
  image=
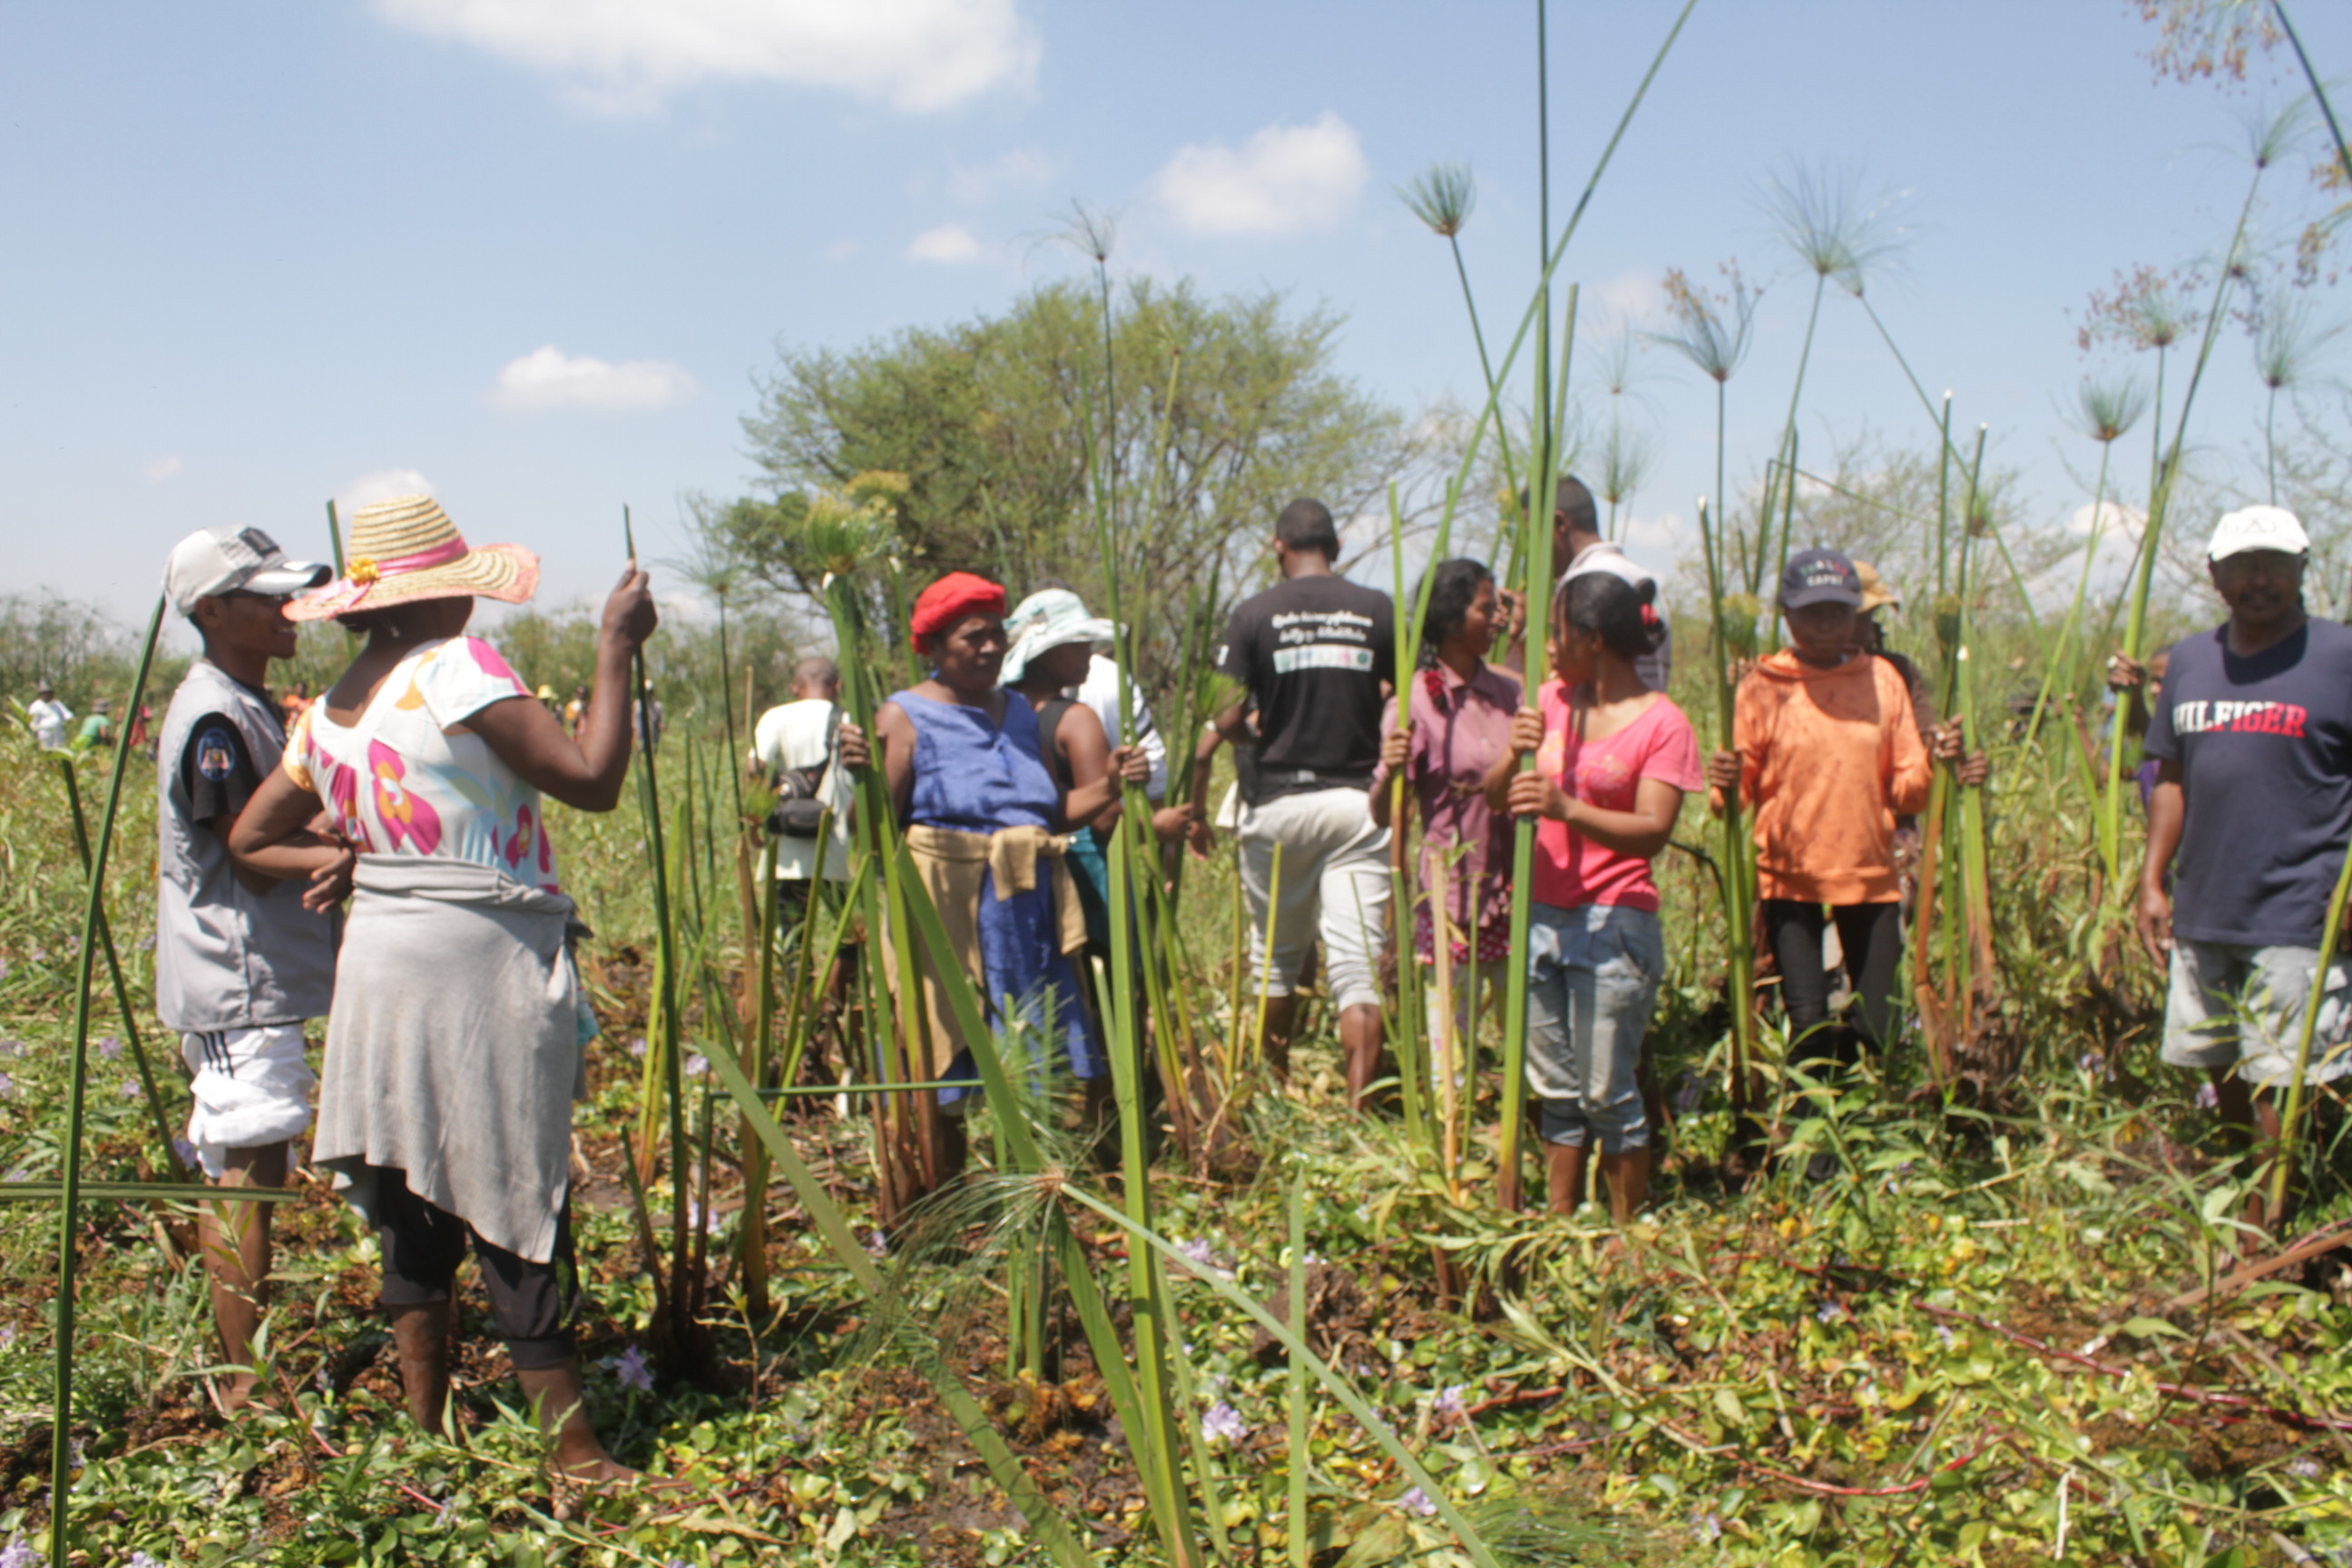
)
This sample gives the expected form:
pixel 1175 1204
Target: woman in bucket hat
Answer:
pixel 455 1044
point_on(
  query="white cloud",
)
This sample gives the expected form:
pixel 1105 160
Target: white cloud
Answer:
pixel 2114 522
pixel 949 244
pixel 547 377
pixel 1286 179
pixel 158 469
pixel 1021 169
pixel 381 485
pixel 1634 298
pixel 841 250
pixel 624 57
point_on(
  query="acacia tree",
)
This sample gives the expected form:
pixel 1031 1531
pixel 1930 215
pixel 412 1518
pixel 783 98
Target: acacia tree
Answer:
pixel 1226 410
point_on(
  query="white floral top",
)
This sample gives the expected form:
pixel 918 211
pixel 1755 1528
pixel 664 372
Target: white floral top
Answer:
pixel 409 778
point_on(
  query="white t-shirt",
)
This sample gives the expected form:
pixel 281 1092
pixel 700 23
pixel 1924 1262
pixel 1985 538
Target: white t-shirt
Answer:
pixel 797 735
pixel 1654 669
pixel 1099 691
pixel 49 723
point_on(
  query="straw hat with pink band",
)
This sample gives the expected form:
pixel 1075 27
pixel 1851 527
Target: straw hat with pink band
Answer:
pixel 406 548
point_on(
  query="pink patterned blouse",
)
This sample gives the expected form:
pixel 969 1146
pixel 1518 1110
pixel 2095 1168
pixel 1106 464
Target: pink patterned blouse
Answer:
pixel 409 778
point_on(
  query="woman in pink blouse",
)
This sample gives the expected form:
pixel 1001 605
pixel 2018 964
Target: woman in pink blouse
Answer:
pixel 1461 723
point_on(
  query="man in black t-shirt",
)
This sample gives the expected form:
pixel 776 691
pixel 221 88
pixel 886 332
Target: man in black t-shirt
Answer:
pixel 1317 656
pixel 2252 810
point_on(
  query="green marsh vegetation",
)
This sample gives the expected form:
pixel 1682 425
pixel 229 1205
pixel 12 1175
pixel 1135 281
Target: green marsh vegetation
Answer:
pixel 2020 1323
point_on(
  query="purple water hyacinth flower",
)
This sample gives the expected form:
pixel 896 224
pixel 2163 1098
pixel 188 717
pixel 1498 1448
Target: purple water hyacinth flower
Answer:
pixel 2091 1062
pixel 1417 1501
pixel 1203 1257
pixel 637 1047
pixel 18 1554
pixel 1707 1527
pixel 7 1086
pixel 128 1089
pixel 1829 1312
pixel 630 1370
pixel 696 1066
pixel 185 1148
pixel 878 1245
pixel 8 1337
pixel 1449 1405
pixel 110 1049
pixel 2306 1468
pixel 2208 1097
pixel 1945 1336
pixel 1223 1424
pixel 140 1559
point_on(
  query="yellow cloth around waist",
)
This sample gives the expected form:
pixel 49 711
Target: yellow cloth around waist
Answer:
pixel 951 865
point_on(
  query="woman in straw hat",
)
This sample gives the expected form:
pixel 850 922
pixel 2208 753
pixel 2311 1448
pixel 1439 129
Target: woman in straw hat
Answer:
pixel 454 1047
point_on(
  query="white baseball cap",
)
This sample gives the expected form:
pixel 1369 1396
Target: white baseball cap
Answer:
pixel 2257 528
pixel 232 560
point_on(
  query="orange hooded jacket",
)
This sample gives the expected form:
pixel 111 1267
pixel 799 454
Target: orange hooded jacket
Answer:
pixel 1828 759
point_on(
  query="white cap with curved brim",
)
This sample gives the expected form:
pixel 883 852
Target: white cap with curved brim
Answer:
pixel 2257 528
pixel 1047 619
pixel 235 560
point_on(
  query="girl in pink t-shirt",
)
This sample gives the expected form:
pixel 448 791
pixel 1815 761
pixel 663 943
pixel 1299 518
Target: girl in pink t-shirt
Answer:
pixel 1613 760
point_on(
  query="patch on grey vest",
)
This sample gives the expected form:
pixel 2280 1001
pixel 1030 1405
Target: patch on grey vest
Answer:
pixel 216 753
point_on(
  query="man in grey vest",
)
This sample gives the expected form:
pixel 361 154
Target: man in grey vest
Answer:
pixel 240 961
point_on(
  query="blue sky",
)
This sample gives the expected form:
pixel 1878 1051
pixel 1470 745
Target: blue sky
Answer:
pixel 259 256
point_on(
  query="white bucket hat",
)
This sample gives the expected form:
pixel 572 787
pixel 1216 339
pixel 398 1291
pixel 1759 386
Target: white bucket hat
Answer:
pixel 1047 619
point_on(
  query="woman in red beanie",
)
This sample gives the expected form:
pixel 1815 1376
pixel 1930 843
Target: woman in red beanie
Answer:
pixel 971 787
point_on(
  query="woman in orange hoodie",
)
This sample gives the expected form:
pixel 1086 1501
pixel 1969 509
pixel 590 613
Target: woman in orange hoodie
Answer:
pixel 1829 756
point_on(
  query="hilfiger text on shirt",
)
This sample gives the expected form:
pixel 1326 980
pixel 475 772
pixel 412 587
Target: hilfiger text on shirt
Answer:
pixel 2206 716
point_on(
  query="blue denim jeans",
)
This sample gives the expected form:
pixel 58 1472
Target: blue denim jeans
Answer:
pixel 1592 980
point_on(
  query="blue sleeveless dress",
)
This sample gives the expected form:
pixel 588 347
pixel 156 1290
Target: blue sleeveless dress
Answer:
pixel 973 776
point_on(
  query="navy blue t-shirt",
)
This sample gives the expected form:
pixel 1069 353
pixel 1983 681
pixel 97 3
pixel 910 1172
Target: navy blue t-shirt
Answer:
pixel 2264 745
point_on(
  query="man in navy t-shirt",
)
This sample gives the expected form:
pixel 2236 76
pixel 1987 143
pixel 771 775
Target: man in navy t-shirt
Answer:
pixel 2252 810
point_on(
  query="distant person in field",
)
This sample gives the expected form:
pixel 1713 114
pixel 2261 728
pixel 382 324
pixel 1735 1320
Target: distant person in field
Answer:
pixel 1460 710
pixel 795 751
pixel 1054 645
pixel 1829 756
pixel 1613 760
pixel 2251 812
pixel 48 718
pixel 1870 636
pixel 242 960
pixel 97 731
pixel 1316 656
pixel 2140 688
pixel 291 706
pixel 985 825
pixel 458 1042
pixel 1578 550
pixel 575 711
pixel 792 750
pixel 1098 689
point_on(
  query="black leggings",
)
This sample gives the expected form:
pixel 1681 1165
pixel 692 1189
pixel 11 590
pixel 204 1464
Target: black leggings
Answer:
pixel 1872 936
pixel 533 1303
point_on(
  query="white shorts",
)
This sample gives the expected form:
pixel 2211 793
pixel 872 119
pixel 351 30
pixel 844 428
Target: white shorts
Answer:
pixel 1334 882
pixel 2232 1005
pixel 252 1088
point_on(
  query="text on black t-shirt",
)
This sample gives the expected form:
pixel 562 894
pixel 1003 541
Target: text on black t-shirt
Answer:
pixel 1317 653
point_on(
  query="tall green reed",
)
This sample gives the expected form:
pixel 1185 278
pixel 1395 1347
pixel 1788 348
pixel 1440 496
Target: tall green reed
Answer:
pixel 61 1443
pixel 2268 145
